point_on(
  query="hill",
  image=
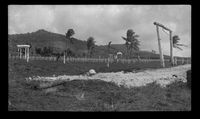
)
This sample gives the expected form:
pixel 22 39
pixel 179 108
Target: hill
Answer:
pixel 43 38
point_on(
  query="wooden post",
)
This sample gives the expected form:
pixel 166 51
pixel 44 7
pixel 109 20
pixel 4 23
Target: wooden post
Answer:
pixel 171 48
pixel 108 63
pixel 175 61
pixel 20 54
pixel 27 54
pixel 160 49
pixel 18 51
pixel 64 58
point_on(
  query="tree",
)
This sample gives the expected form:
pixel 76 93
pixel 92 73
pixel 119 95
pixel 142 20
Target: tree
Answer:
pixel 90 45
pixel 70 53
pixel 176 44
pixel 69 35
pixel 132 42
pixel 109 46
pixel 38 50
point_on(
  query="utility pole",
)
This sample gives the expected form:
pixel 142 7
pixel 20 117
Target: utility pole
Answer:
pixel 171 48
pixel 64 57
pixel 160 49
pixel 170 37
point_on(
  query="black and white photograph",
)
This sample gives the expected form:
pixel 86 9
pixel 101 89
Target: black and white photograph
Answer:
pixel 99 58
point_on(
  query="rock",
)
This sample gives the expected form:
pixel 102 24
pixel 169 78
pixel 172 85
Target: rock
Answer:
pixel 92 72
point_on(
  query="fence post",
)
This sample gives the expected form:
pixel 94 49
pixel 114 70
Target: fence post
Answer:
pixel 182 61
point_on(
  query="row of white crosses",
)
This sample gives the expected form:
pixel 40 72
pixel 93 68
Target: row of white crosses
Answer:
pixel 26 47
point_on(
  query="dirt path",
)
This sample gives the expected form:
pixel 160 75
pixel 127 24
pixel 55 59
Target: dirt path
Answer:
pixel 163 76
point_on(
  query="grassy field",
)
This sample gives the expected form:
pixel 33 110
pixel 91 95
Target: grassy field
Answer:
pixel 98 95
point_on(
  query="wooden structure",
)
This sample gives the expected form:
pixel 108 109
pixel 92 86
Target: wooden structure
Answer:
pixel 26 48
pixel 159 44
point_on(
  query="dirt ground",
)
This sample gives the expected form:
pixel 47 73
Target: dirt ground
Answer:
pixel 131 79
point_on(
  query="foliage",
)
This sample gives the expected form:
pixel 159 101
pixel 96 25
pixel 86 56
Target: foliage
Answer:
pixel 132 42
pixel 69 33
pixel 99 95
pixel 90 45
pixel 45 51
pixel 109 46
pixel 70 53
pixel 43 38
pixel 176 44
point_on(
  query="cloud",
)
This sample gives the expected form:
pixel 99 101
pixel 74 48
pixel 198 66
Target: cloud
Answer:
pixel 29 18
pixel 105 22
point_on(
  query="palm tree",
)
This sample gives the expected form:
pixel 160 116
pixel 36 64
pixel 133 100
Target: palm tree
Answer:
pixel 90 45
pixel 69 35
pixel 109 46
pixel 132 42
pixel 176 44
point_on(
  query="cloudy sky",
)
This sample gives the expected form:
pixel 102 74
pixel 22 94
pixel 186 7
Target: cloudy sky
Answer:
pixel 106 22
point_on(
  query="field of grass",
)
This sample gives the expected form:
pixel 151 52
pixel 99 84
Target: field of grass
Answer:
pixel 98 95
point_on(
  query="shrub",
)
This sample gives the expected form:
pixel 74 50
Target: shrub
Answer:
pixel 189 79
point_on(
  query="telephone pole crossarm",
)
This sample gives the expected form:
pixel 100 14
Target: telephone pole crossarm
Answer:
pixel 158 24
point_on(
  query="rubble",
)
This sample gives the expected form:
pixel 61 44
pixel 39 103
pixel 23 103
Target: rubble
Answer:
pixel 162 76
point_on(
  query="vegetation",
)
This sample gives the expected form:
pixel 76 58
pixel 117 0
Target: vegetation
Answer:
pixel 42 38
pixel 132 42
pixel 69 35
pixel 46 51
pixel 98 95
pixel 176 44
pixel 90 45
pixel 91 95
pixel 109 46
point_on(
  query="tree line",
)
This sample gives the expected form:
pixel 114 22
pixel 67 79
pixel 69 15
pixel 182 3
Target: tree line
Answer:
pixel 132 44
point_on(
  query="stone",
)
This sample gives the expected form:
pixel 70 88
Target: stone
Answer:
pixel 92 72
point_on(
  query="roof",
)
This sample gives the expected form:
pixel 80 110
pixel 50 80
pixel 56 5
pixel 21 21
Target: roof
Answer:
pixel 23 45
pixel 119 53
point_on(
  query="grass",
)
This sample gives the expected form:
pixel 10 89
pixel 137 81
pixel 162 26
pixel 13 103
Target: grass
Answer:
pixel 91 95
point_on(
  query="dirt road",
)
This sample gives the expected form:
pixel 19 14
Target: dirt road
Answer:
pixel 163 76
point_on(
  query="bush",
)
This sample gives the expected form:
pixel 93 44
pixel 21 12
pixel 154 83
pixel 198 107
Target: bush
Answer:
pixel 189 78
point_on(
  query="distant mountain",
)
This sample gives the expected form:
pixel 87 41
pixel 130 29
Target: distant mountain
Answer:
pixel 43 38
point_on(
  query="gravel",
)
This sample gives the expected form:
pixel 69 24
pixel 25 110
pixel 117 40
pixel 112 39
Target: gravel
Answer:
pixel 162 76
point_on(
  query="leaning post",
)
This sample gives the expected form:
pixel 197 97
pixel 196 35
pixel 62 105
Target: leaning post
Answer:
pixel 159 45
pixel 171 48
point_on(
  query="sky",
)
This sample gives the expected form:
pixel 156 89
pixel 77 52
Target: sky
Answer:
pixel 107 23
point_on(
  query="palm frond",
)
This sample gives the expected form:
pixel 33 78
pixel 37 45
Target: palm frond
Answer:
pixel 177 47
pixel 109 44
pixel 182 45
pixel 136 36
pixel 124 38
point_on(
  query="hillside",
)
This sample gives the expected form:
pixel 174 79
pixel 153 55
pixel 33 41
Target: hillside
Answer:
pixel 43 38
